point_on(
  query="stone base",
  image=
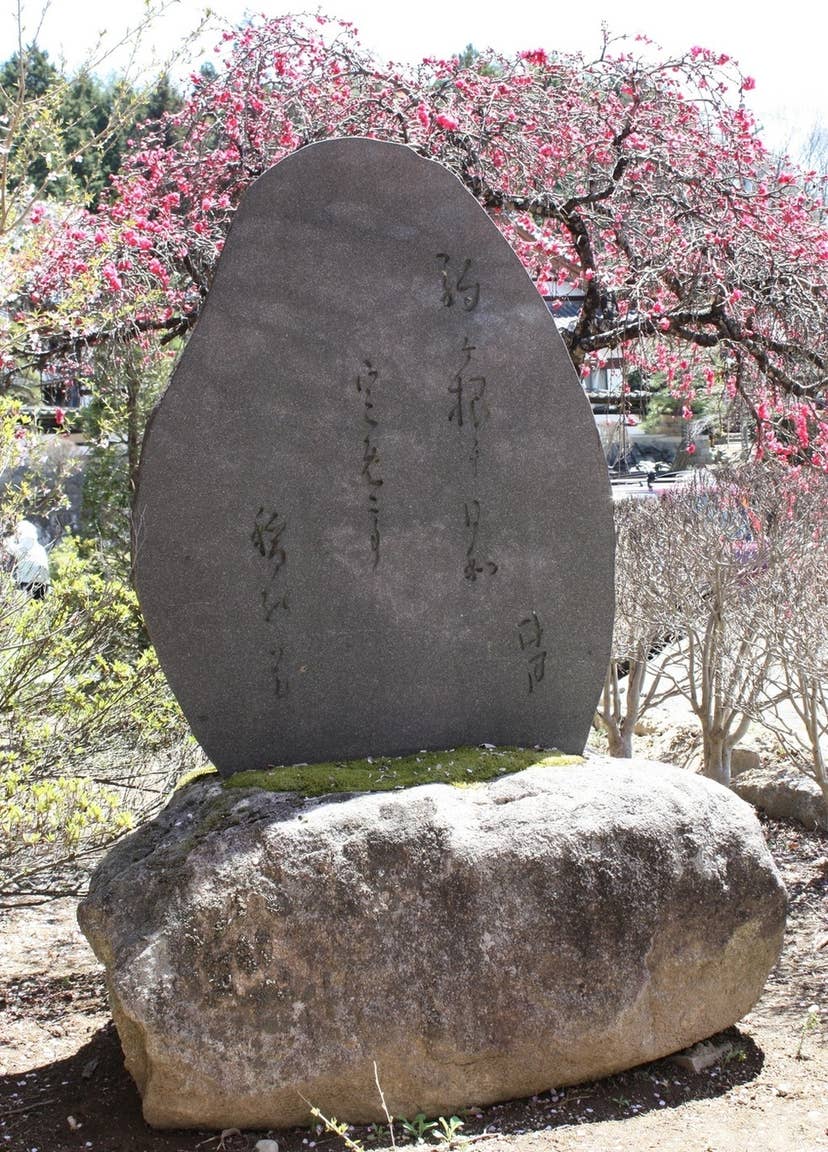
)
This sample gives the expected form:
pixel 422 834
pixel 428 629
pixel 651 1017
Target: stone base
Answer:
pixel 479 944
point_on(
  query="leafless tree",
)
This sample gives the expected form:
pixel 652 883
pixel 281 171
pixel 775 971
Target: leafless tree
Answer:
pixel 799 675
pixel 815 162
pixel 641 643
pixel 710 559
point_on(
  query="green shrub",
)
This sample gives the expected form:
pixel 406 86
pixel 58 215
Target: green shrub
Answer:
pixel 91 738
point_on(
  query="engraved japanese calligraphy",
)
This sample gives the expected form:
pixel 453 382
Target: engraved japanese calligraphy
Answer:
pixel 366 386
pixel 268 529
pixel 473 566
pixel 469 405
pixel 469 413
pixel 530 637
pixel 372 503
pixel 458 283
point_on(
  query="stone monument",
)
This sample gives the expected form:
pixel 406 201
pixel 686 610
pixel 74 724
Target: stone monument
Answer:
pixel 373 514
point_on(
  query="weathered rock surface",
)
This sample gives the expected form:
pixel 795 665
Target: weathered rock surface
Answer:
pixel 479 944
pixel 784 793
pixel 744 760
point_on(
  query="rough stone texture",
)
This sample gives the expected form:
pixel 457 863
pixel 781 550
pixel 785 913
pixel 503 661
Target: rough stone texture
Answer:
pixel 479 944
pixel 784 793
pixel 373 513
pixel 744 760
pixel 701 1056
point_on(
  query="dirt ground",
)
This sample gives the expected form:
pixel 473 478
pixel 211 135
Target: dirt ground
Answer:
pixel 63 1086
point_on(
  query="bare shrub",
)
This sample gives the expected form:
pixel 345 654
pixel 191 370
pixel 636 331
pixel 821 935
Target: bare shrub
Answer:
pixel 799 672
pixel 642 642
pixel 704 602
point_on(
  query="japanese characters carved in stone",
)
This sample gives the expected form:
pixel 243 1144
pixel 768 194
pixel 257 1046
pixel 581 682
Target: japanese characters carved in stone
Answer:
pixel 373 513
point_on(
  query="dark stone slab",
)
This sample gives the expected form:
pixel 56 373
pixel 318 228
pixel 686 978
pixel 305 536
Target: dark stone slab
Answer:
pixel 373 513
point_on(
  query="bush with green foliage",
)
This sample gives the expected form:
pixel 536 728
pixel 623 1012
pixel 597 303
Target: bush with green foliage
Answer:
pixel 127 383
pixel 91 738
pixel 71 130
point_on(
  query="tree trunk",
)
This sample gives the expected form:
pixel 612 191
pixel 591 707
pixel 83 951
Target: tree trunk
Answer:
pixel 818 760
pixel 619 740
pixel 716 764
pixel 133 380
pixel 823 784
pixel 609 717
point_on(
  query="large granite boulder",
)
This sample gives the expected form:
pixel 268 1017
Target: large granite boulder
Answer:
pixel 479 944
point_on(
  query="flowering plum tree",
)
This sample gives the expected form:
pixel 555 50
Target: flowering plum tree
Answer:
pixel 641 182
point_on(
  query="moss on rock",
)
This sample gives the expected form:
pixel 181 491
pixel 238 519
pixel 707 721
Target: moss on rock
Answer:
pixel 457 766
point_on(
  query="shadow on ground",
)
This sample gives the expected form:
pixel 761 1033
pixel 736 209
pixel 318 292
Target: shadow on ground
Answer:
pixel 88 1100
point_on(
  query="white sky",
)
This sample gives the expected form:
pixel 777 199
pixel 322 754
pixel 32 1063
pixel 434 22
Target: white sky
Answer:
pixel 784 48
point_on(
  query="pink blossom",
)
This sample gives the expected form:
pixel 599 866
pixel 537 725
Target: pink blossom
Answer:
pixel 554 142
pixel 536 57
pixel 448 123
pixel 110 274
